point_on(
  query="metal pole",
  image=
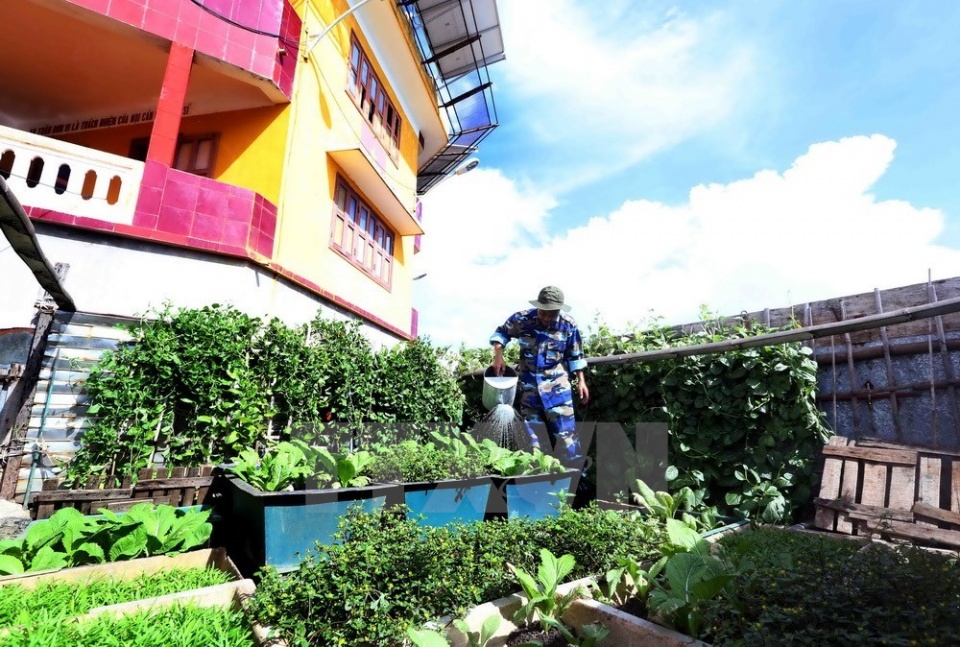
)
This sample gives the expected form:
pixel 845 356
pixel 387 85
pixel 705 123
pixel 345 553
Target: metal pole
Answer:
pixel 329 27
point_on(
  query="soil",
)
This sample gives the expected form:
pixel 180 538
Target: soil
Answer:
pixel 634 607
pixel 534 632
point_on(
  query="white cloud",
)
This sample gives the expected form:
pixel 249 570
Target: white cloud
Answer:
pixel 811 232
pixel 602 87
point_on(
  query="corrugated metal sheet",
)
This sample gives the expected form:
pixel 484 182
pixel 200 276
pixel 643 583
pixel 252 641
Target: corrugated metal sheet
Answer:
pixel 58 416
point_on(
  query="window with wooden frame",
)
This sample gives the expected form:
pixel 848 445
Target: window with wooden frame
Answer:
pixel 368 92
pixel 195 153
pixel 361 236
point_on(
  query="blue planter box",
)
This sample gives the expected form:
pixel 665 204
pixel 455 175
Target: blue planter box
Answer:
pixel 444 502
pixel 278 528
pixel 534 496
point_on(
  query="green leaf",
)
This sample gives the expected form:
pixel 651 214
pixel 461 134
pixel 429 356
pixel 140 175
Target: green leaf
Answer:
pixel 48 558
pixel 10 565
pixel 489 627
pixel 426 638
pixel 130 545
pixel 42 534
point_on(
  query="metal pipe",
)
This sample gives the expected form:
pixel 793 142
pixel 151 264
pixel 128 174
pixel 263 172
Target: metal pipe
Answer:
pixel 329 27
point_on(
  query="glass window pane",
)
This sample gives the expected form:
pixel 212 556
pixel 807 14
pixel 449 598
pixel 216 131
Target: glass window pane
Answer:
pixel 184 157
pixel 204 153
pixel 352 208
pixel 363 218
pixel 338 232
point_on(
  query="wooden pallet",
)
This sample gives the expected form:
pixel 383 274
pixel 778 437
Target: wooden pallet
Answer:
pixel 877 488
pixel 178 486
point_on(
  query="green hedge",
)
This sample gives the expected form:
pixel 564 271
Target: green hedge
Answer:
pixel 196 386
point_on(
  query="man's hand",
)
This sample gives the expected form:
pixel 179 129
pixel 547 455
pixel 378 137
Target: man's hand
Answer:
pixel 582 389
pixel 499 366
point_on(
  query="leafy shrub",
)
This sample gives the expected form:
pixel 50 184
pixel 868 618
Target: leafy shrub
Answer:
pixel 801 589
pixel 413 393
pixel 389 575
pixel 410 461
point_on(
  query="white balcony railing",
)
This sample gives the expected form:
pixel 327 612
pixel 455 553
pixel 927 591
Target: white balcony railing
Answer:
pixel 50 174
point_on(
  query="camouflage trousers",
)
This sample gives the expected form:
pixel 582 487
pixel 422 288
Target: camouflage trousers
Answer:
pixel 554 426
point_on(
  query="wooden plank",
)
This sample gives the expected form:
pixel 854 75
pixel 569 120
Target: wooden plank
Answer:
pixel 874 491
pixel 830 487
pixel 955 485
pixel 81 495
pixel 848 492
pixel 928 490
pixel 860 511
pixel 123 506
pixel 45 510
pixel 122 571
pixel 206 470
pixel 176 496
pixel 903 487
pixel 875 442
pixel 874 454
pixel 929 512
pixel 173 483
pixel 914 531
pixel 190 493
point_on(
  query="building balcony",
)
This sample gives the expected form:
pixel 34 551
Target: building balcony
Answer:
pixel 74 65
pixel 64 183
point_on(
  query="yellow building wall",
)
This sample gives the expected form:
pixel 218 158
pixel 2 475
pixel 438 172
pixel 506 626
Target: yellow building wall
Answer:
pixel 250 147
pixel 324 117
pixel 281 153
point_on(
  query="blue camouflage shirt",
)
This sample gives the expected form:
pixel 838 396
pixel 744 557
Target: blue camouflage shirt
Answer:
pixel 547 353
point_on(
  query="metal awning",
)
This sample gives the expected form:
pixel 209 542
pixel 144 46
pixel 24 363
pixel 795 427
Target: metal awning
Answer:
pixel 458 39
pixel 362 172
pixel 462 33
pixel 16 226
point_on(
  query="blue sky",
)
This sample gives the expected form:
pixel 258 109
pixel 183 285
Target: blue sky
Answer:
pixel 654 157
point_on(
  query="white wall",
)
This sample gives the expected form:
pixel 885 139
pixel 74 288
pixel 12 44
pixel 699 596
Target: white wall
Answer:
pixel 110 275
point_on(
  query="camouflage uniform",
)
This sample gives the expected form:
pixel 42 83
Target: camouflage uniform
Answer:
pixel 548 354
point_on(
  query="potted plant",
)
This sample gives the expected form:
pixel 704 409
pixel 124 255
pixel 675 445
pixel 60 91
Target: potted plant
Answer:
pixel 444 480
pixel 281 504
pixel 527 484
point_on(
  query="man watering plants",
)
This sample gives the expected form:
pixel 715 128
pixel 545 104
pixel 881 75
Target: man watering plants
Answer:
pixel 550 351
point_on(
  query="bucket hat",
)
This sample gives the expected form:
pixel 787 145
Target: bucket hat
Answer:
pixel 550 298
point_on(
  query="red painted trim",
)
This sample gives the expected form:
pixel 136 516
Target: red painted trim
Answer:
pixel 175 240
